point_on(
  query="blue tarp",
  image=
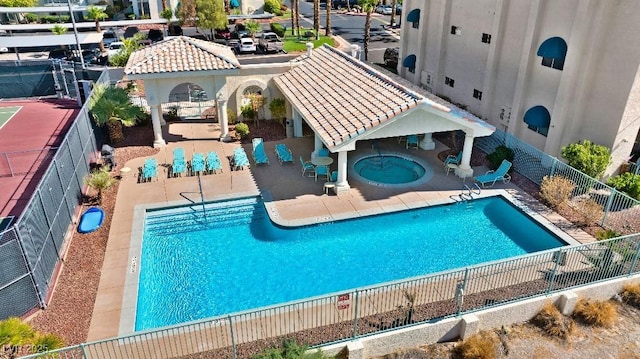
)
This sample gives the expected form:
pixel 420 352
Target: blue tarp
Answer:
pixel 537 116
pixel 554 47
pixel 409 61
pixel 413 15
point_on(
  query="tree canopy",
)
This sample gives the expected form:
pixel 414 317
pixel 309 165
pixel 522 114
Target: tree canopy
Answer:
pixel 211 15
pixel 18 3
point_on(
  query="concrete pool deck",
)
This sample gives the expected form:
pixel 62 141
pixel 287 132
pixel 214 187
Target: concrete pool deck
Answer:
pixel 292 200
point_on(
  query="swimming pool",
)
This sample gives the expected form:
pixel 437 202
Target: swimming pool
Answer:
pixel 237 259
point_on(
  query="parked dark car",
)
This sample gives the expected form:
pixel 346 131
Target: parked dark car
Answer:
pixel 155 35
pixel 59 54
pixel 339 4
pixel 130 31
pixel 222 34
pixel 175 30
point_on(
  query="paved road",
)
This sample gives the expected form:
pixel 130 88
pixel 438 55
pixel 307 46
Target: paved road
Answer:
pixel 351 29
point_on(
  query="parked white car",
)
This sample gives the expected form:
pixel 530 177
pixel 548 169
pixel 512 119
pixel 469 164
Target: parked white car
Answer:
pixel 246 44
pixel 114 48
pixel 108 38
pixel 384 9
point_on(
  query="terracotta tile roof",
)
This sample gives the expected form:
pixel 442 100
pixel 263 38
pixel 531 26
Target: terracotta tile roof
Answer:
pixel 181 54
pixel 342 97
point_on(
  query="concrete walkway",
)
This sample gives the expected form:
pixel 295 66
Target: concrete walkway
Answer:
pixel 291 199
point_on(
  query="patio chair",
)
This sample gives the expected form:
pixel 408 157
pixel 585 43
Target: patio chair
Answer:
pixel 412 142
pixel 454 160
pixel 307 167
pixel 259 154
pixel 283 153
pixel 323 152
pixel 491 177
pixel 213 163
pixel 178 153
pixel 322 171
pixel 149 170
pixel 197 163
pixel 178 167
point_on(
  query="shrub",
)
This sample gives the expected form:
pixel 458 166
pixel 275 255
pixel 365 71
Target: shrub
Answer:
pixel 631 294
pixel 273 6
pixel 500 153
pixel 242 130
pixel 291 350
pixel 99 181
pixel 589 211
pixel 606 234
pixel 277 28
pixel 627 183
pixel 556 190
pixel 587 157
pixel 31 17
pixel 278 109
pixel 479 346
pixel 248 112
pixel 553 322
pixel 143 120
pixel 593 312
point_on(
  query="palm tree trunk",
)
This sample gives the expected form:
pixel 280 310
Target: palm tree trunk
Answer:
pixel 164 5
pixel 98 29
pixel 367 34
pixel 293 17
pixel 328 27
pixel 298 17
pixel 316 16
pixel 114 128
pixel 394 3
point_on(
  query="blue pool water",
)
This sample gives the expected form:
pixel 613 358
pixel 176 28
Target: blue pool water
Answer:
pixel 390 169
pixel 237 259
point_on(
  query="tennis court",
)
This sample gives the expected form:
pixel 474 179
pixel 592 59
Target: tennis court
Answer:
pixel 30 131
pixel 7 113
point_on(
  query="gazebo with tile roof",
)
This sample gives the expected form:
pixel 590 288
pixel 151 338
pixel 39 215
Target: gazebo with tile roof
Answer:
pixel 344 101
pixel 166 63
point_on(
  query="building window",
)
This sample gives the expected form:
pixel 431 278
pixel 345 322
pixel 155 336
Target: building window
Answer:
pixel 553 52
pixel 486 38
pixel 456 30
pixel 414 18
pixel 538 119
pixel 448 81
pixel 477 94
pixel 410 63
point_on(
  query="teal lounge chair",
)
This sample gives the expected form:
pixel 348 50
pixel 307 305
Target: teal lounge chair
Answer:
pixel 197 163
pixel 283 153
pixel 240 160
pixel 149 170
pixel 259 154
pixel 491 177
pixel 213 163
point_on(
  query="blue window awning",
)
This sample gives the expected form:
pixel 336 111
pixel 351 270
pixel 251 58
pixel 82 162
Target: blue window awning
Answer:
pixel 413 15
pixel 409 61
pixel 234 3
pixel 537 116
pixel 554 47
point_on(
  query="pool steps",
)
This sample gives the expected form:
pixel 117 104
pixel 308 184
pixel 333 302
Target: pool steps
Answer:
pixel 218 214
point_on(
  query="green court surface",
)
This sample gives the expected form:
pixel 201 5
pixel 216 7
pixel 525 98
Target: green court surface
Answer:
pixel 6 113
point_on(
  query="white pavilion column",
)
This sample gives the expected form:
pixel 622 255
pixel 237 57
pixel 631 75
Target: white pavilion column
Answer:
pixel 464 169
pixel 156 116
pixel 317 146
pixel 342 184
pixel 224 120
pixel 427 142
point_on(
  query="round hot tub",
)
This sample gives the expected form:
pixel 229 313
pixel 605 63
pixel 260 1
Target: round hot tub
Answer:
pixel 391 170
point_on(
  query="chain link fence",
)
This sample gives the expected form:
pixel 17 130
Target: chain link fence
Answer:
pixel 32 248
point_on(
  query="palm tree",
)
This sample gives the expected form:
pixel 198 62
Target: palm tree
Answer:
pixel 294 15
pixel 253 27
pixel 99 181
pixel 111 106
pixel 60 30
pixel 328 27
pixel 316 17
pixel 367 6
pixel 16 335
pixel 95 13
pixel 297 17
pixel 394 4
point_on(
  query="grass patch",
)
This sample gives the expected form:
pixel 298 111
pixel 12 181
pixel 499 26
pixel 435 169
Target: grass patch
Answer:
pixel 480 346
pixel 552 322
pixel 631 294
pixel 299 44
pixel 598 313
